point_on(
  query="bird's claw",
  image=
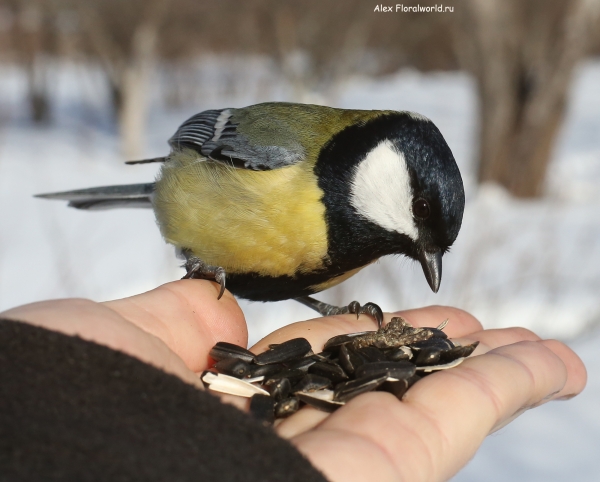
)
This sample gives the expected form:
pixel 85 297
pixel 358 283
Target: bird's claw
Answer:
pixel 370 309
pixel 325 309
pixel 220 278
pixel 198 269
pixel 354 307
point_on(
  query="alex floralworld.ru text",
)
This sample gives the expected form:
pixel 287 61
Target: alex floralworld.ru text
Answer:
pixel 412 8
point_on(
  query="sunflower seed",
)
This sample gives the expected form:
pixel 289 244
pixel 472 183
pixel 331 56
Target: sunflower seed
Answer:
pixel 397 388
pixel 347 390
pixel 323 400
pixel 294 375
pixel 371 354
pixel 302 363
pixel 458 352
pixel 223 350
pixel 400 353
pixel 445 366
pixel 236 367
pixel 284 352
pixel 312 383
pixel 287 407
pixel 280 389
pixel 329 370
pixel 349 360
pixel 265 370
pixel 219 382
pixel 428 356
pixel 399 370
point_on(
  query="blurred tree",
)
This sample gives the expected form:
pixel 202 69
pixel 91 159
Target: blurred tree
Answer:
pixel 315 44
pixel 124 36
pixel 31 41
pixel 522 54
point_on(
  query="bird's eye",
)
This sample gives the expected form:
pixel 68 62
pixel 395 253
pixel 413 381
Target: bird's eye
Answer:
pixel 420 208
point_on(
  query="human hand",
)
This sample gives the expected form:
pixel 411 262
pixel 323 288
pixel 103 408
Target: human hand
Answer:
pixel 430 435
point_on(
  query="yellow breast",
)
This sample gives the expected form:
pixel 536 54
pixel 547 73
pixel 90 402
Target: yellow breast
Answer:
pixel 268 222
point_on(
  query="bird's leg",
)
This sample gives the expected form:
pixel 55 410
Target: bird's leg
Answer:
pixel 354 307
pixel 198 269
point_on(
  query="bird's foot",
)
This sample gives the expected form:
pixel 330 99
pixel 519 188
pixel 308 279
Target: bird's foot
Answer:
pixel 198 269
pixel 325 309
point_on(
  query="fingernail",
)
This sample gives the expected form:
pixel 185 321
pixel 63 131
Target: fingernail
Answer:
pixel 565 397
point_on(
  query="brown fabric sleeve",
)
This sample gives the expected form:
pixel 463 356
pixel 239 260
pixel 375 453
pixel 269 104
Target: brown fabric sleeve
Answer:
pixel 73 410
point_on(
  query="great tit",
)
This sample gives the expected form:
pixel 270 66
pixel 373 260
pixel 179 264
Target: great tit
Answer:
pixel 286 200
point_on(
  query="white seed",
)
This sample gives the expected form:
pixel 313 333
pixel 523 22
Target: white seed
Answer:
pixel 445 366
pixel 231 385
pixel 443 324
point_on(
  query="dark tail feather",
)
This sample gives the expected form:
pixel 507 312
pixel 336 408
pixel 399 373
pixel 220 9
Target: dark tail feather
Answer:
pixel 147 161
pixel 107 197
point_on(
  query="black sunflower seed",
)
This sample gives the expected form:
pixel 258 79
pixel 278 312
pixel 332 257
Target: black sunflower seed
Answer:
pixel 458 352
pixel 312 383
pixel 347 390
pixel 284 352
pixel 287 407
pixel 329 370
pixel 323 356
pixel 236 367
pixel 302 363
pixel 294 375
pixel 265 370
pixel 400 370
pixel 279 389
pixel 428 356
pixel 400 353
pixel 397 388
pixel 441 343
pixel 371 354
pixel 349 360
pixel 223 350
pixel 323 400
pixel 435 333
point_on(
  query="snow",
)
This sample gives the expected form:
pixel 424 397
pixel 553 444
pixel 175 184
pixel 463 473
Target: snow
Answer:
pixel 528 263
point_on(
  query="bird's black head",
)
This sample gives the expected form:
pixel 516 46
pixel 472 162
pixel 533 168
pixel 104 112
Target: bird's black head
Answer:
pixel 391 186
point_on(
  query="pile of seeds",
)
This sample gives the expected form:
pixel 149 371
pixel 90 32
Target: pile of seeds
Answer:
pixel 288 375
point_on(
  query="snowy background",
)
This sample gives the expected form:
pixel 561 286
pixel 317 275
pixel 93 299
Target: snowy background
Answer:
pixel 527 263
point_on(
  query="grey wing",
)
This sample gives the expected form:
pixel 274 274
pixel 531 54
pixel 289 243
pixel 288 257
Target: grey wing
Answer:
pixel 215 135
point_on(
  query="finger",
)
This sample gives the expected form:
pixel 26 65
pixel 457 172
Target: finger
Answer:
pixel 303 420
pixel 98 323
pixel 445 416
pixel 577 372
pixel 493 338
pixel 317 331
pixel 187 316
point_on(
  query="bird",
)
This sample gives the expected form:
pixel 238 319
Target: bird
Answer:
pixel 282 200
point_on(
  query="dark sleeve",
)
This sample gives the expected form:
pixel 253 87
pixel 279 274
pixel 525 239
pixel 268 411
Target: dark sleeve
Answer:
pixel 73 410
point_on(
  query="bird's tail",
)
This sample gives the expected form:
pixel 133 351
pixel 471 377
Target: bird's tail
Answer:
pixel 107 197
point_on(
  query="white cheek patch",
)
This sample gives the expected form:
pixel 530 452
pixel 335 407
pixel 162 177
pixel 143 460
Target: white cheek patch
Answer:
pixel 381 190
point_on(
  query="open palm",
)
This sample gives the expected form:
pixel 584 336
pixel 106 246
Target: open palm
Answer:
pixel 428 436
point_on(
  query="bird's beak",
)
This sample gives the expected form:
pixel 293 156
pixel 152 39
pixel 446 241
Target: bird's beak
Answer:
pixel 432 267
